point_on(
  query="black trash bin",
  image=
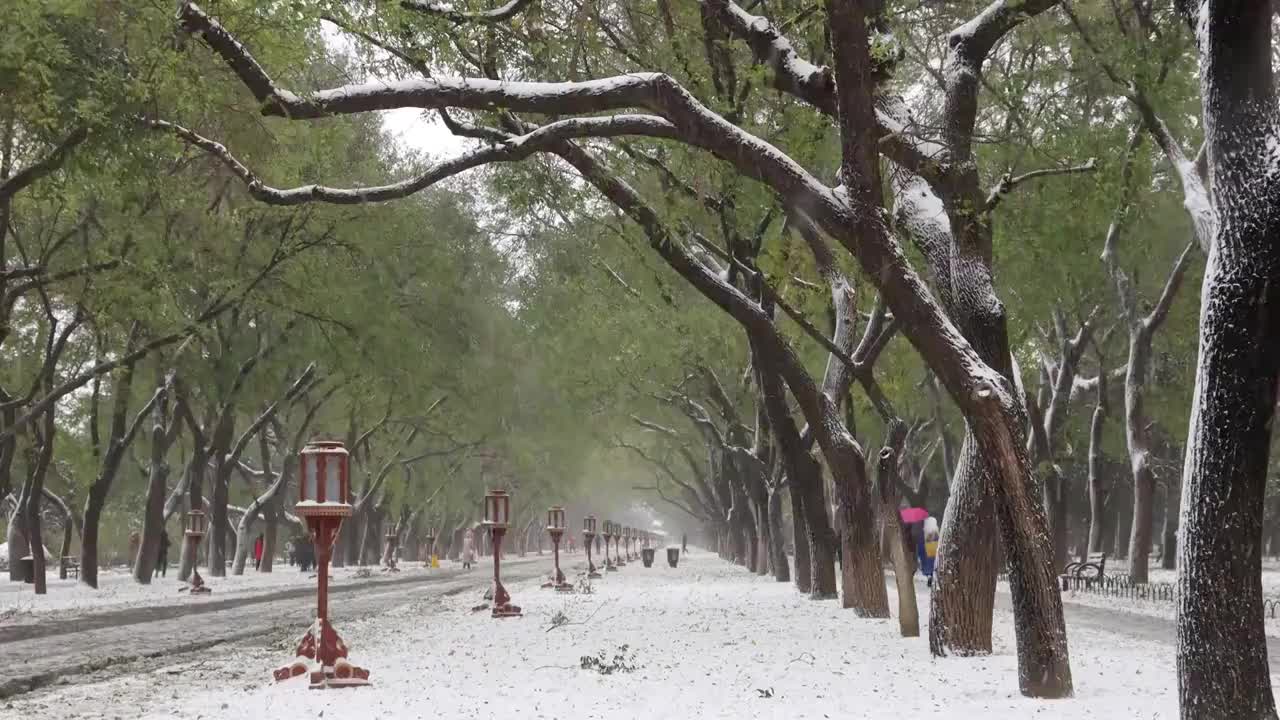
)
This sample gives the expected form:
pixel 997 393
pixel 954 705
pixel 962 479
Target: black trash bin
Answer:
pixel 28 566
pixel 673 556
pixel 646 556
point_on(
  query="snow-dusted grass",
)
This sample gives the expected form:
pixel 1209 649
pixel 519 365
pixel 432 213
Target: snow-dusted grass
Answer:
pixel 707 640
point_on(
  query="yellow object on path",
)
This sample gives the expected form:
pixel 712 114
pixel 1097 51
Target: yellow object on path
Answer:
pixel 435 561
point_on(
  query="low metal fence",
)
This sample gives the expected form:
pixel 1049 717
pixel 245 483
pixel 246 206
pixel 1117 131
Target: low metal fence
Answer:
pixel 1120 585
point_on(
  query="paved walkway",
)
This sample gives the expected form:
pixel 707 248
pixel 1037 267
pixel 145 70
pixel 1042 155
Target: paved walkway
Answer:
pixel 52 651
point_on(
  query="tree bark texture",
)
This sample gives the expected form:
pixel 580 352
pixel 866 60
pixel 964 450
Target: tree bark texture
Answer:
pixel 1223 670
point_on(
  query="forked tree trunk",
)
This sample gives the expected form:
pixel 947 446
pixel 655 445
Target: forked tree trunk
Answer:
pixel 1223 670
pixel 153 519
pixel 158 476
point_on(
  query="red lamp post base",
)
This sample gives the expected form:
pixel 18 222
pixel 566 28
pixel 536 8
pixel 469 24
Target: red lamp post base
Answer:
pixel 197 584
pixel 506 610
pixel 557 582
pixel 322 645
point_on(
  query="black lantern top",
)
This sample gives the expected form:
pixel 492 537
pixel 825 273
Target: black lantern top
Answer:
pixel 589 524
pixel 197 523
pixel 555 518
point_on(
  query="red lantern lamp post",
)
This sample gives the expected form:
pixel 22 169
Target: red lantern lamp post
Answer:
pixel 609 565
pixel 197 526
pixel 497 516
pixel 322 500
pixel 555 527
pixel 588 536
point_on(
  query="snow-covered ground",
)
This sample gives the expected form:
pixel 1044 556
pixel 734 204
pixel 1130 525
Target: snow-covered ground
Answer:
pixel 705 640
pixel 117 589
pixel 1163 608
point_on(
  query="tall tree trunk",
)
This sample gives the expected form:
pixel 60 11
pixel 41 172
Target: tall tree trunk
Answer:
pixel 1056 494
pixel 891 525
pixel 89 538
pixel 158 476
pixel 800 538
pixel 152 520
pixel 1097 493
pixel 270 533
pixel 964 575
pixel 777 541
pixel 1223 668
pixel 1124 520
pixel 187 558
pixel 218 517
pixel 16 539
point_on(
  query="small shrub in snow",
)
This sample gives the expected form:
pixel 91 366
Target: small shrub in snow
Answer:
pixel 364 573
pixel 621 662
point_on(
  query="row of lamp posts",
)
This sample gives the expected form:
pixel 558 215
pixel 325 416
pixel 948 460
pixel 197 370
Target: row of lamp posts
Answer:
pixel 323 495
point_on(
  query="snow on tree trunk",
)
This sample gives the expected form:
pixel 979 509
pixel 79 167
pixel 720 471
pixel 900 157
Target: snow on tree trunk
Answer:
pixel 16 542
pixel 1222 646
pixel 158 476
pixel 153 518
pixel 964 575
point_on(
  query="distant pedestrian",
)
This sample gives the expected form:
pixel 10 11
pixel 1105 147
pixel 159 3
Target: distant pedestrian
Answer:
pixel 928 549
pixel 257 553
pixel 306 554
pixel 684 544
pixel 162 553
pixel 468 549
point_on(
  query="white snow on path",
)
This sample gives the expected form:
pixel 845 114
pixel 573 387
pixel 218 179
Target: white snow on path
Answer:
pixel 708 640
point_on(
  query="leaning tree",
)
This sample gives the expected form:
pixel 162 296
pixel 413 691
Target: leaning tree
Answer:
pixel 852 212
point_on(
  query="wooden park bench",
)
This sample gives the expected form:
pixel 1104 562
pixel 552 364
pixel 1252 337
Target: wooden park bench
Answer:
pixel 1094 567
